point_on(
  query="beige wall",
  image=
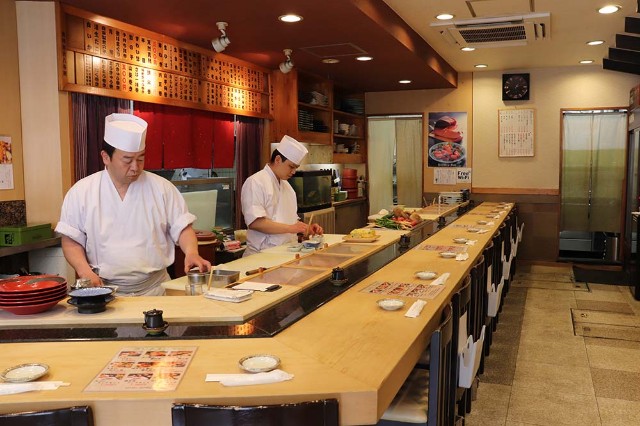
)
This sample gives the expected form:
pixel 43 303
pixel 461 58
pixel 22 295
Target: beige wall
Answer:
pixel 423 102
pixel 552 89
pixel 10 96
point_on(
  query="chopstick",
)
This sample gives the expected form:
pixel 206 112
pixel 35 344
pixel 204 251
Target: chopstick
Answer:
pixel 306 233
pixel 210 277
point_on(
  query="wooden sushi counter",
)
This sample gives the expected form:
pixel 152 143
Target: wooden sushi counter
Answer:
pixel 346 348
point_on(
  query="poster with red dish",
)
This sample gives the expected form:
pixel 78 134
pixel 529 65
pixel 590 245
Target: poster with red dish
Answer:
pixel 447 133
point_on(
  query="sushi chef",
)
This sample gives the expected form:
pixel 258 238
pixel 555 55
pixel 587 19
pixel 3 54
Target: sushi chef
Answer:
pixel 269 202
pixel 123 222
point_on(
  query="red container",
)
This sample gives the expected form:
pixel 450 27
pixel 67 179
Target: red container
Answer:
pixel 349 183
pixel 352 193
pixel 349 173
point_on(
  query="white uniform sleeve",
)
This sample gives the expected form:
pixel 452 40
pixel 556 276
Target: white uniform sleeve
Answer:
pixel 253 202
pixel 72 214
pixel 177 212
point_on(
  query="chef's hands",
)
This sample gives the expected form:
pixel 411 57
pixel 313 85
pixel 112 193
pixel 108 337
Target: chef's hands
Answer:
pixel 95 279
pixel 315 229
pixel 194 260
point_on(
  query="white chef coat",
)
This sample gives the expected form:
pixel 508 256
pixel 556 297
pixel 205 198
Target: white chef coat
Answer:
pixel 131 240
pixel 264 195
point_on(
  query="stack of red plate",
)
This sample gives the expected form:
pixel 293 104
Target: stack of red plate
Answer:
pixel 31 294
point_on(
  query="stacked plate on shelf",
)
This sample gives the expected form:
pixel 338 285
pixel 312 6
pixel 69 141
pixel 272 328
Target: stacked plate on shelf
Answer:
pixel 305 120
pixel 31 294
pixel 450 197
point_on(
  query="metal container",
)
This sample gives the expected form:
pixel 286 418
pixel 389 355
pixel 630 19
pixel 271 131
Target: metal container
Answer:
pixel 221 277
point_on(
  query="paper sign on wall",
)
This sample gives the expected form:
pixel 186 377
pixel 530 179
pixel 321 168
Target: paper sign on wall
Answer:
pixel 464 175
pixel 6 163
pixel 442 176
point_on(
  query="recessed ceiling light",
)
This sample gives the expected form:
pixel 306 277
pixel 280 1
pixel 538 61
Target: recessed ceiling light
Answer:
pixel 468 49
pixel 595 42
pixel 290 17
pixel 331 61
pixel 404 81
pixel 481 65
pixel 610 8
pixel 586 61
pixel 364 58
pixel 444 16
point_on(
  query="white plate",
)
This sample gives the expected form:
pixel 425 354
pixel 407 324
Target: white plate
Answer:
pixel 482 222
pixel 447 254
pixel 390 304
pixel 426 275
pixel 460 240
pixel 259 363
pixel 24 373
pixel 295 247
pixel 473 229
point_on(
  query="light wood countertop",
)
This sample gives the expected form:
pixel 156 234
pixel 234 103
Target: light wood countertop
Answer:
pixel 348 349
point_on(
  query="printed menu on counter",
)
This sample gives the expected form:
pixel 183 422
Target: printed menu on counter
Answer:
pixel 143 369
pixel 423 291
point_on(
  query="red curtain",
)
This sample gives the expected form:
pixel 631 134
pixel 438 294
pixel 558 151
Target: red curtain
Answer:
pixel 182 137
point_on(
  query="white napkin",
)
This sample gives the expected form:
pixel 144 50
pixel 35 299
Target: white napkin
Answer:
pixel 441 279
pixel 490 223
pixel 274 376
pixel 415 309
pixel 482 231
pixel 462 256
pixel 11 388
pixel 471 242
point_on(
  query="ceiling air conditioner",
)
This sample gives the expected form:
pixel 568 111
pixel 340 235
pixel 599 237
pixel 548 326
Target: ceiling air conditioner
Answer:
pixel 515 30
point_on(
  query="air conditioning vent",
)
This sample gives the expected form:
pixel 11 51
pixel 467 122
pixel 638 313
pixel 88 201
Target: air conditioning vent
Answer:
pixel 497 32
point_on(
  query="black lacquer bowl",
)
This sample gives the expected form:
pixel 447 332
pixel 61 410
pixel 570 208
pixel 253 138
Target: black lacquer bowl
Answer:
pixel 91 300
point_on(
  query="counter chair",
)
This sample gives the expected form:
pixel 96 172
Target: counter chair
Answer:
pixel 71 416
pixel 425 397
pixel 477 312
pixel 489 258
pixel 311 413
pixel 462 325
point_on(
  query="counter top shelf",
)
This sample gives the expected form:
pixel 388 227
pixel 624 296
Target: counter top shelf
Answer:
pixel 11 250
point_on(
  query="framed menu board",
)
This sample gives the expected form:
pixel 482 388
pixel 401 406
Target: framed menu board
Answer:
pixel 106 57
pixel 516 132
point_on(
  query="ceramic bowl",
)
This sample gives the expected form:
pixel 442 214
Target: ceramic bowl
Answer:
pixel 259 363
pixel 426 275
pixel 311 244
pixel 447 254
pixel 460 240
pixel 390 304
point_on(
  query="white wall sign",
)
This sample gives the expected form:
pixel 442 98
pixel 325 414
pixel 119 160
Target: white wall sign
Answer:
pixel 464 175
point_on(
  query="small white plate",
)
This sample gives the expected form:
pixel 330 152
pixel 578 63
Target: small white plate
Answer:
pixel 460 240
pixel 24 373
pixel 259 363
pixel 473 230
pixel 390 304
pixel 492 216
pixel 294 247
pixel 426 275
pixel 482 222
pixel 447 254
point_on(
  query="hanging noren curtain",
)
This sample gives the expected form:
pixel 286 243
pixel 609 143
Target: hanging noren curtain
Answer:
pixel 249 142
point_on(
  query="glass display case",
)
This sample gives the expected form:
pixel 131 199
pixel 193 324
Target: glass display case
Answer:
pixel 211 200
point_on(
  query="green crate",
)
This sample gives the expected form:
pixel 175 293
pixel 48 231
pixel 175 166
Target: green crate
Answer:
pixel 19 235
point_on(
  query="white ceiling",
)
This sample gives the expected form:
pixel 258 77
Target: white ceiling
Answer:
pixel 573 23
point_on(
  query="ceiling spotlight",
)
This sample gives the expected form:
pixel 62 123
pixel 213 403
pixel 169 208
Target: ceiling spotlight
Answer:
pixel 610 8
pixel 287 65
pixel 290 17
pixel 595 42
pixel 220 43
pixel 404 81
pixel 468 49
pixel 481 66
pixel 586 61
pixel 364 58
pixel 444 16
pixel 330 61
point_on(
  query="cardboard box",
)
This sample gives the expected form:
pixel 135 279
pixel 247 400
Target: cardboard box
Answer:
pixel 19 235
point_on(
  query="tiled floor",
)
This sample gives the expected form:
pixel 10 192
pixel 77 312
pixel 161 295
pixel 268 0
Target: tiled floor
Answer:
pixel 543 370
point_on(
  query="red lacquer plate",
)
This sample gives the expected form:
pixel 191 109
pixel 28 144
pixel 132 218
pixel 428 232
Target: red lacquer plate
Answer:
pixel 31 309
pixel 31 283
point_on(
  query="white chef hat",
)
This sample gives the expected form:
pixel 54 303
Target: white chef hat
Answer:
pixel 292 149
pixel 125 132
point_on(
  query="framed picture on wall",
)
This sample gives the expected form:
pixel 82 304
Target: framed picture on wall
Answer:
pixel 516 132
pixel 446 142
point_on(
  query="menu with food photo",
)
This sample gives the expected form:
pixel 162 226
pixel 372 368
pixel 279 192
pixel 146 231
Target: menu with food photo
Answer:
pixel 6 163
pixel 447 132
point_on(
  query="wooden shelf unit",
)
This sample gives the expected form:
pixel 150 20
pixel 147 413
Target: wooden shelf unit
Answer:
pixel 308 107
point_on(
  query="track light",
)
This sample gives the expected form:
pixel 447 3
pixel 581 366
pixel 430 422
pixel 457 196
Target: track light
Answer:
pixel 220 43
pixel 287 65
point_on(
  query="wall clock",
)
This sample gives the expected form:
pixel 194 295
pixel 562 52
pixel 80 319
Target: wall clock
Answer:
pixel 515 87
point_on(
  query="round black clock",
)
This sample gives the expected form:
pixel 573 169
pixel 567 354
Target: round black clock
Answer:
pixel 515 87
